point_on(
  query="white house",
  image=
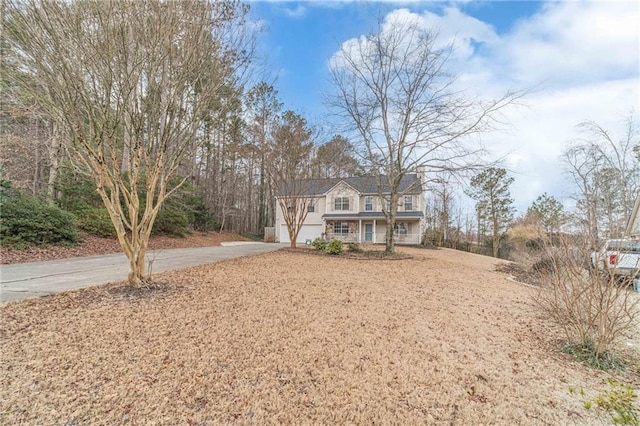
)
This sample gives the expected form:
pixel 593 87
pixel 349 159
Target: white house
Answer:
pixel 350 209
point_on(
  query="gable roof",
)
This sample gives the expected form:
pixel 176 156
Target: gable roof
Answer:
pixel 410 184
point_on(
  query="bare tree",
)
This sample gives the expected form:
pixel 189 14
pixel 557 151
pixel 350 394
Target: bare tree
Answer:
pixel 289 168
pixel 129 82
pixel 394 89
pixel 606 175
pixel 439 208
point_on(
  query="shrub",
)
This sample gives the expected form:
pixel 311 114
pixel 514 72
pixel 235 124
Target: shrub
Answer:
pixel 545 266
pixel 172 221
pixel 76 192
pixel 334 247
pixel 27 222
pixel 534 244
pixel 594 312
pixel 95 221
pixel 354 248
pixel 320 244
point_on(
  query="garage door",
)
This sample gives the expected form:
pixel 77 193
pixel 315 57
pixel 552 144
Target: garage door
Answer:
pixel 307 232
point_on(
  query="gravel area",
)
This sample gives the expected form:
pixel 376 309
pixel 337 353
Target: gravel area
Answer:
pixel 294 338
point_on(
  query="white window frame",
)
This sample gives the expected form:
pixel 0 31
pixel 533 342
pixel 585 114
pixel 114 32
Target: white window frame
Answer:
pixel 368 203
pixel 401 229
pixel 311 206
pixel 342 226
pixel 339 204
pixel 408 203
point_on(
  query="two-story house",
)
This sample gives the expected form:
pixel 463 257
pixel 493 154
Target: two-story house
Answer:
pixel 350 209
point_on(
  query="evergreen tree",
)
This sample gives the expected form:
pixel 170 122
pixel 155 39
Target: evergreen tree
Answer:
pixel 548 212
pixel 494 204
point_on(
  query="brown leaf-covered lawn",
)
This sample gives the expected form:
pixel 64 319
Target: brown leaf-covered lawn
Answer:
pixel 293 338
pixel 92 245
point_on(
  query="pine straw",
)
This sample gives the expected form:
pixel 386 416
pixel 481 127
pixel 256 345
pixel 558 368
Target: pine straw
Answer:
pixel 284 338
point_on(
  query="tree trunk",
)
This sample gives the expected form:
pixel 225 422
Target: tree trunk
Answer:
pixel 496 236
pixel 388 238
pixel 54 164
pixel 136 275
pixel 391 221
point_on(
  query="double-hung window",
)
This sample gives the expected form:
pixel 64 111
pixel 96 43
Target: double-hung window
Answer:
pixel 341 229
pixel 408 203
pixel 401 228
pixel 311 206
pixel 341 203
pixel 368 203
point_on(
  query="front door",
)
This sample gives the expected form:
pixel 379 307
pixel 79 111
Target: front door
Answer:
pixel 368 232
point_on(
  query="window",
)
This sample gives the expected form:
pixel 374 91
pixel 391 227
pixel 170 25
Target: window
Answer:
pixel 408 203
pixel 400 228
pixel 341 203
pixel 341 229
pixel 311 207
pixel 388 203
pixel 368 203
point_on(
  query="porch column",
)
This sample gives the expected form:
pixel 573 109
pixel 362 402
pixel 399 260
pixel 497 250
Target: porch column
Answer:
pixel 359 231
pixel 374 232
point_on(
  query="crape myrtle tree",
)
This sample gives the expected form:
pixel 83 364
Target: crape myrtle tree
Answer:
pixel 394 89
pixel 128 82
pixel 289 168
pixel 494 204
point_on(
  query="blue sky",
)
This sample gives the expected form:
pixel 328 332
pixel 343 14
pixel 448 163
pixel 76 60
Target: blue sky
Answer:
pixel 582 57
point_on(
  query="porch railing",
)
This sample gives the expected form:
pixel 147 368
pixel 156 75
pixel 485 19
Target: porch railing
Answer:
pixel 377 239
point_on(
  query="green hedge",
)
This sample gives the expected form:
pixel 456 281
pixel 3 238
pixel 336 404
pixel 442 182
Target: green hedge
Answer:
pixel 28 222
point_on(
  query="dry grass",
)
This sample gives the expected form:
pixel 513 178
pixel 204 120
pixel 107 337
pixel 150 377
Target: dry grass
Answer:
pixel 293 338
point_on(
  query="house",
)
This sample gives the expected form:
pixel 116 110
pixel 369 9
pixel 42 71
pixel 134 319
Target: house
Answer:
pixel 350 209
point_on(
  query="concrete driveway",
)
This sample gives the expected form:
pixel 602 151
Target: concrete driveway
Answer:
pixel 26 280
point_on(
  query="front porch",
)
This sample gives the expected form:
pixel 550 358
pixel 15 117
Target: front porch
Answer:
pixel 372 231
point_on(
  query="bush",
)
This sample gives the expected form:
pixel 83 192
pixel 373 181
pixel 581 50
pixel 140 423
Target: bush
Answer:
pixel 27 222
pixel 354 248
pixel 534 244
pixel 95 221
pixel 545 266
pixel 172 221
pixel 593 312
pixel 320 244
pixel 334 247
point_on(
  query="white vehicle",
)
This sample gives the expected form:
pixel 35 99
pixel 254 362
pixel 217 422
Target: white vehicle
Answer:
pixel 620 258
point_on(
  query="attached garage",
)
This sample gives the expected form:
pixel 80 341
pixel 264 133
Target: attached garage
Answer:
pixel 307 232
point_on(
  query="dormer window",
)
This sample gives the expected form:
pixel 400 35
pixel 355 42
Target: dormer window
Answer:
pixel 341 203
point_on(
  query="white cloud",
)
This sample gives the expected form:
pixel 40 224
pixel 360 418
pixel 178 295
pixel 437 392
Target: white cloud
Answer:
pixel 572 43
pixel 583 58
pixel 297 12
